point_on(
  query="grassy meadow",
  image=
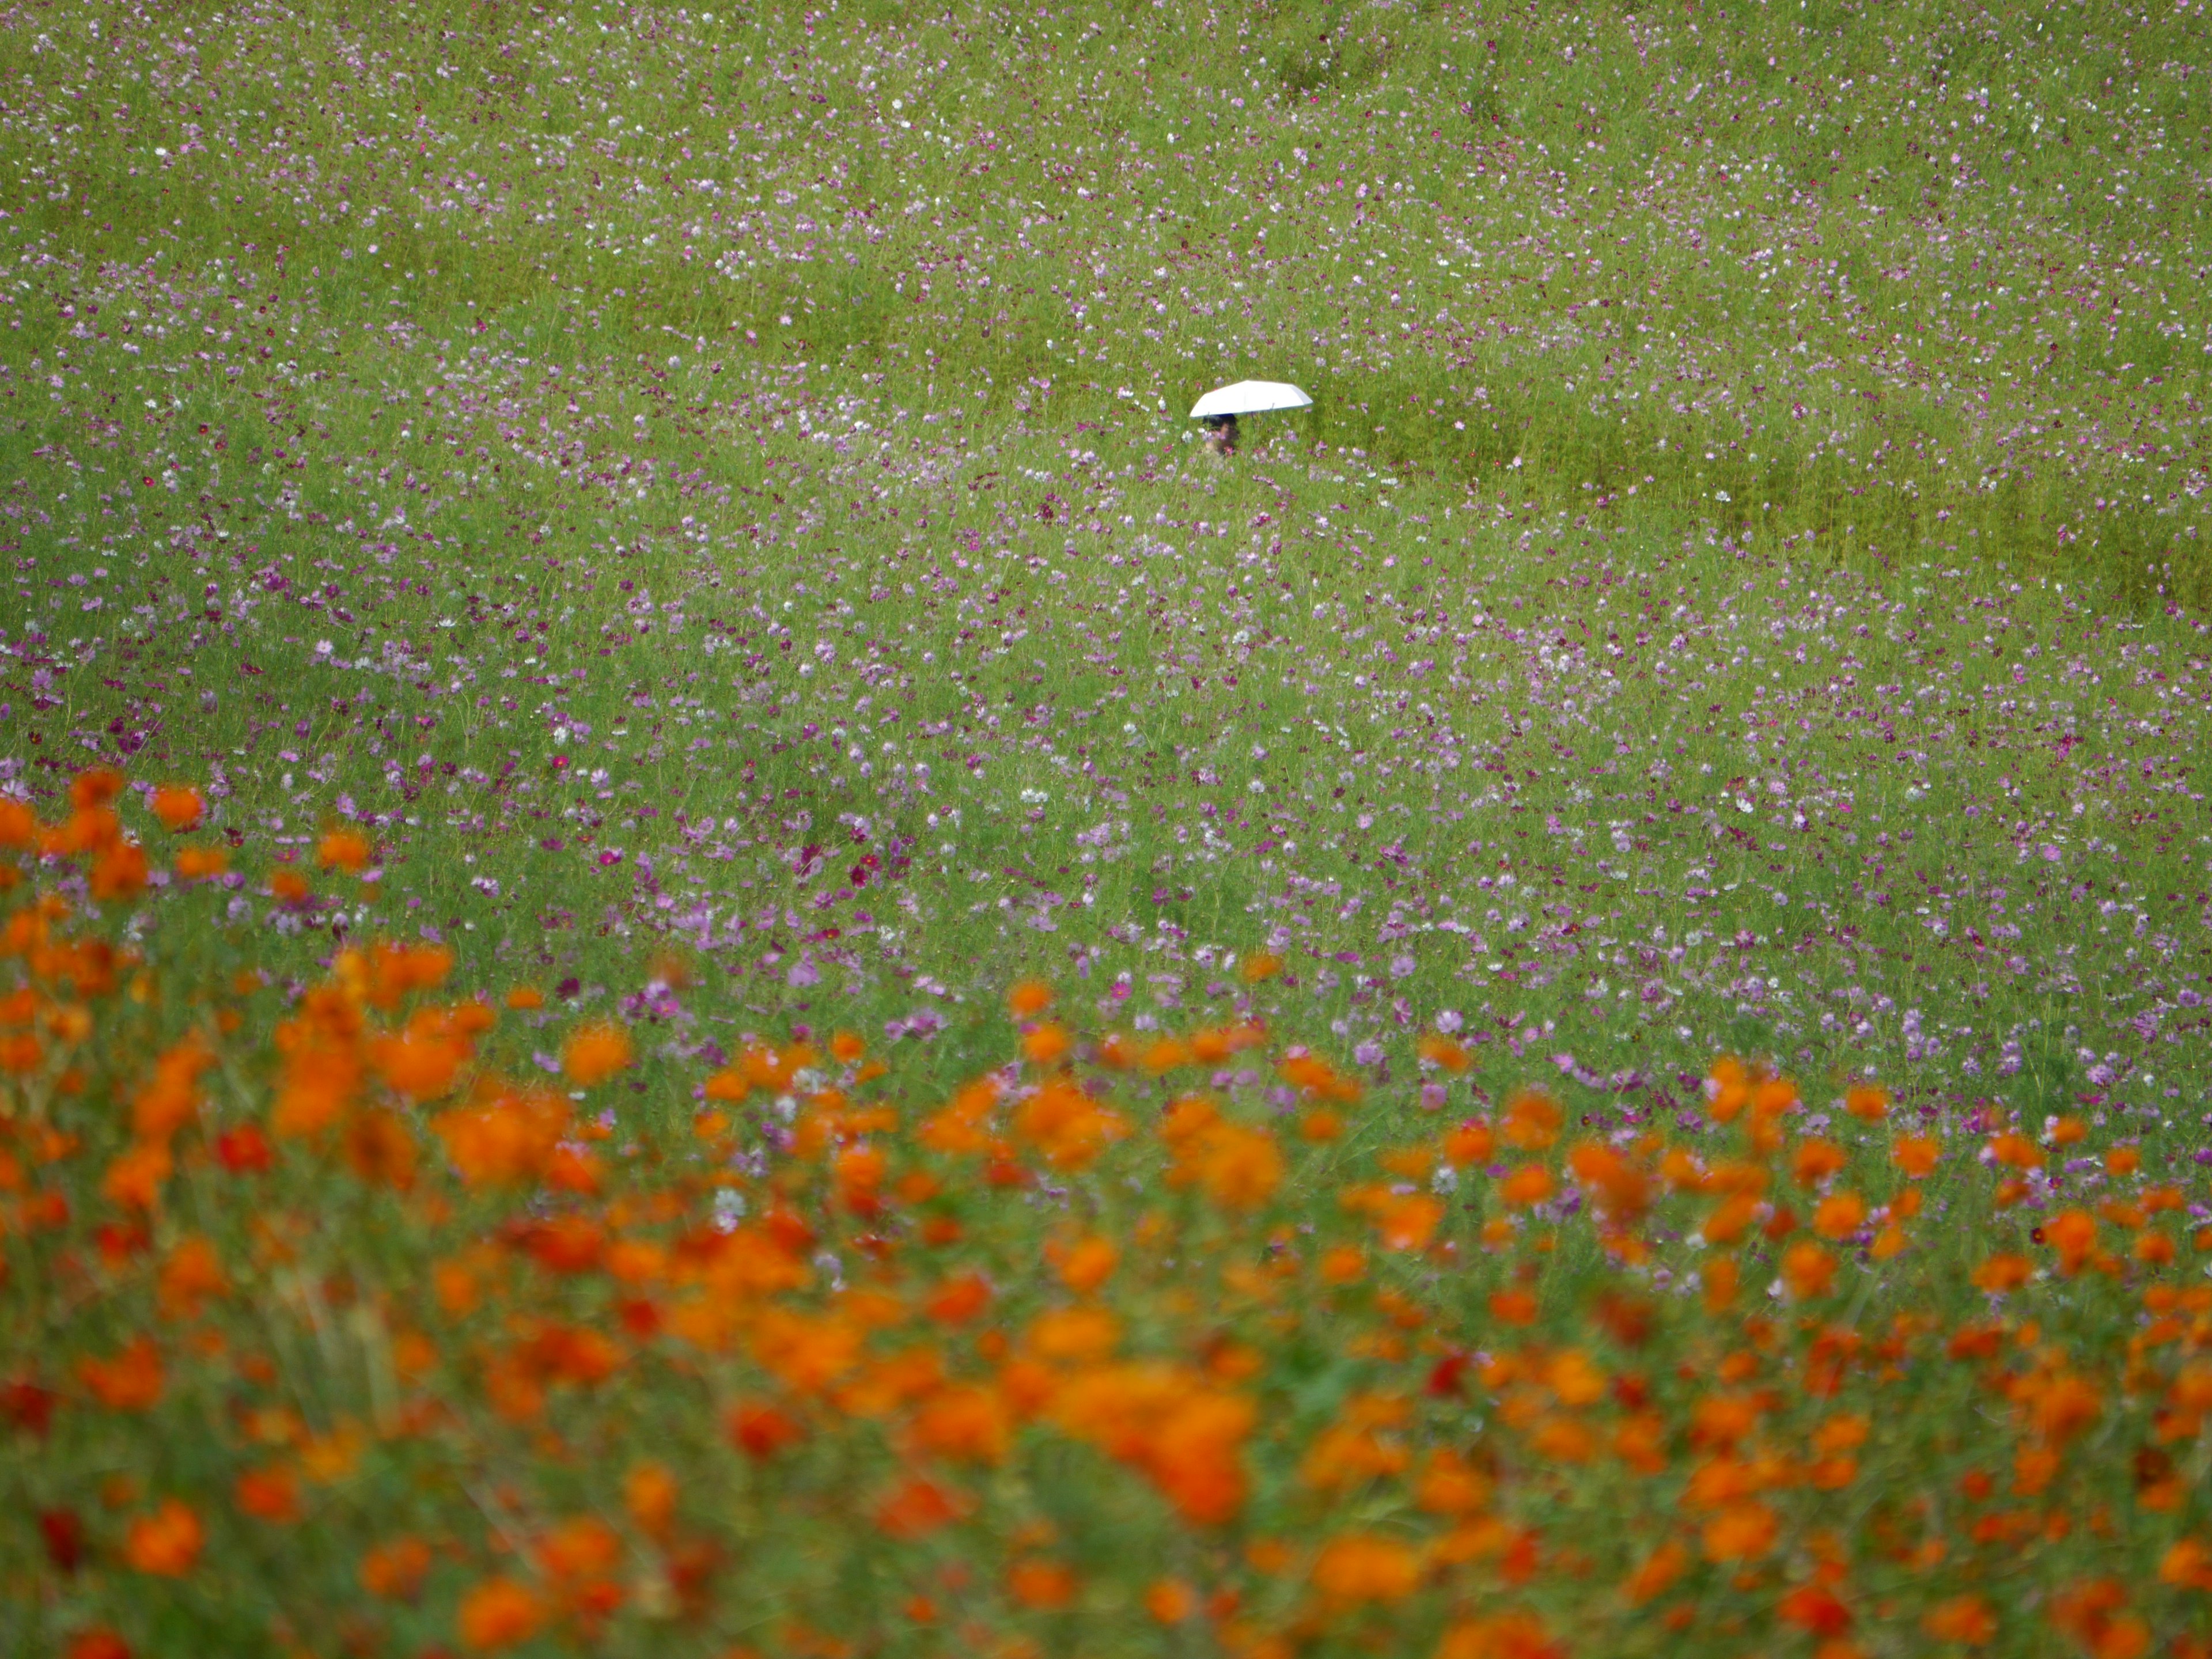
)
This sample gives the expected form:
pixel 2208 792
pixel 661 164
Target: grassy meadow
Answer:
pixel 809 988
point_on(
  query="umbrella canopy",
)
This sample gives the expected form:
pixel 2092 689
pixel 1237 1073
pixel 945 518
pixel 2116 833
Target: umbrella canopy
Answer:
pixel 1249 397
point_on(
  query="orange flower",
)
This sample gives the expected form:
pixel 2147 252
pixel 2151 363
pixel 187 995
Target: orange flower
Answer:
pixel 595 1052
pixel 132 1382
pixel 1815 1609
pixel 963 1128
pixel 394 971
pixel 1470 1143
pixel 270 1494
pixel 1044 1585
pixel 1728 1088
pixel 1773 1096
pixel 1516 1634
pixel 2063 1406
pixel 1045 1044
pixel 135 1179
pixel 178 805
pixel 1316 1076
pixel 1744 1531
pixel 1067 1127
pixel 419 1063
pixel 191 1274
pixel 380 1149
pixel 345 849
pixel 1440 1050
pixel 201 863
pixel 915 1510
pixel 1170 1601
pixel 2091 1613
pixel 1165 1054
pixel 2186 1566
pixel 1530 1183
pixel 1869 1101
pixel 96 785
pixel 171 1097
pixel 649 1494
pixel 1343 1264
pixel 1448 1484
pixel 167 1542
pixel 1408 1221
pixel 1917 1155
pixel 1839 1215
pixel 2073 1234
pixel 761 1432
pixel 510 1138
pixel 1721 1280
pixel 1965 1619
pixel 98 1642
pixel 1623 1191
pixel 498 1614
pixel 1513 1307
pixel 396 1570
pixel 1815 1161
pixel 1029 999
pixel 1087 1264
pixel 1320 1126
pixel 1808 1269
pixel 1532 1121
pixel 1358 1567
pixel 2002 1273
pixel 964 1423
pixel 1261 965
pixel 960 1298
pixel 1074 1334
pixel 1658 1573
pixel 1238 1167
pixel 582 1546
pixel 119 871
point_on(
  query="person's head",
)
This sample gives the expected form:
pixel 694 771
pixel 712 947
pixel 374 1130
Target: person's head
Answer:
pixel 1221 433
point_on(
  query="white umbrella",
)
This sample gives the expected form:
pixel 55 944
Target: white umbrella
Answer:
pixel 1249 397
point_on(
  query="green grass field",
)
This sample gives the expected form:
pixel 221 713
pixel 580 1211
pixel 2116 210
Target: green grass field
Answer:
pixel 1748 502
pixel 706 493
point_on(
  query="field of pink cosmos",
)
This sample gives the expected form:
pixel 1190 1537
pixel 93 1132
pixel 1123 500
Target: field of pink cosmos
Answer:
pixel 712 951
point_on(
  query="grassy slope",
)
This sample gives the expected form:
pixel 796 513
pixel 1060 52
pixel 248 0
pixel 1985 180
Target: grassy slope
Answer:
pixel 1691 430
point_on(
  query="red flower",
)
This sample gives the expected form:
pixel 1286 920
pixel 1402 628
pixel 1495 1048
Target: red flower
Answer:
pixel 245 1150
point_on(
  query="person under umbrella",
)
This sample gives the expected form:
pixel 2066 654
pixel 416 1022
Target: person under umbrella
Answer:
pixel 1221 407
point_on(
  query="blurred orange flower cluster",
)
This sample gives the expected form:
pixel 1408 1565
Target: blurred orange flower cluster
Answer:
pixel 349 1341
